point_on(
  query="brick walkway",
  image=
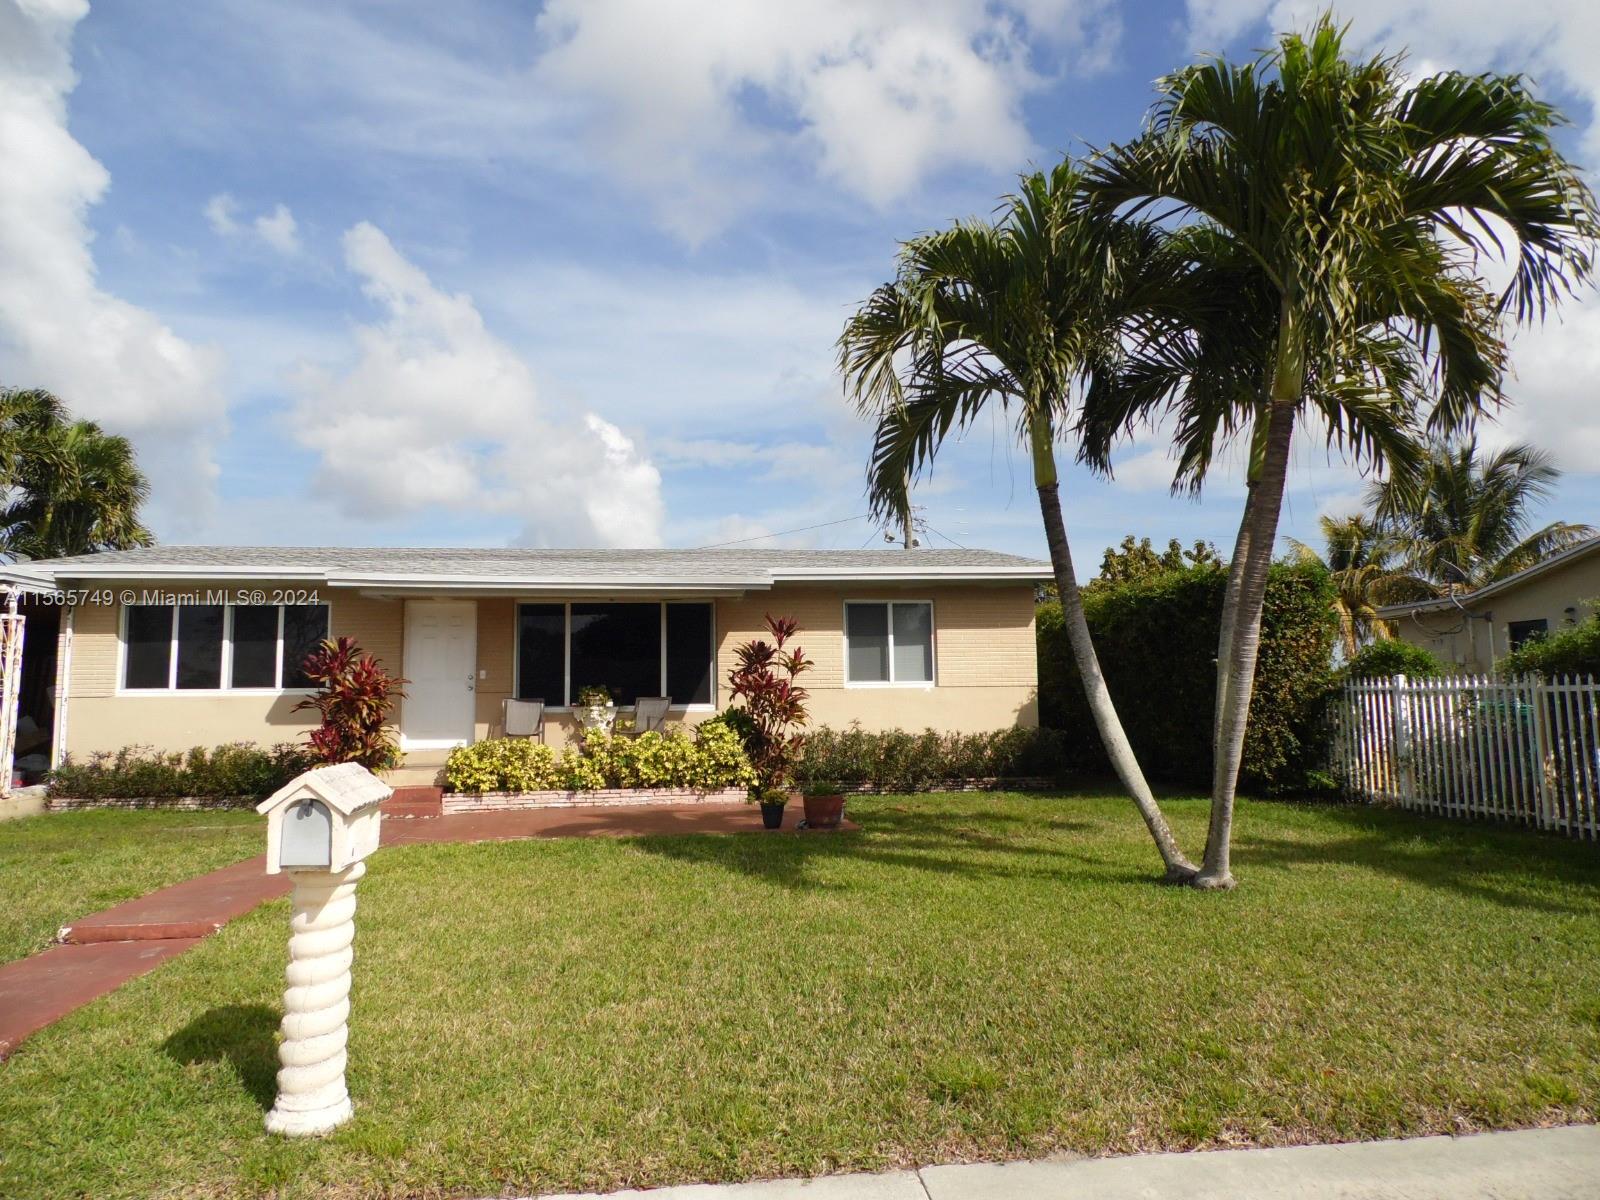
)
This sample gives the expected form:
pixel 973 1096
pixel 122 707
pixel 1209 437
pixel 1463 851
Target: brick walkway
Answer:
pixel 104 951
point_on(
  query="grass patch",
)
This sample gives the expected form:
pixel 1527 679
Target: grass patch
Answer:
pixel 59 867
pixel 968 977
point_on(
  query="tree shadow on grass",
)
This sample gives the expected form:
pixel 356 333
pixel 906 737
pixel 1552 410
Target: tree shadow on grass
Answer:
pixel 1510 867
pixel 988 845
pixel 243 1035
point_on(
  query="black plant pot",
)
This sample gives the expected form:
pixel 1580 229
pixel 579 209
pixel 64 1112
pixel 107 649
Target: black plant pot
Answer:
pixel 772 815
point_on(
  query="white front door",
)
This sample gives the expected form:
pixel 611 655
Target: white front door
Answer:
pixel 442 665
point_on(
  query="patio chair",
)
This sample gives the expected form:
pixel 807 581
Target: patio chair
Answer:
pixel 650 714
pixel 524 718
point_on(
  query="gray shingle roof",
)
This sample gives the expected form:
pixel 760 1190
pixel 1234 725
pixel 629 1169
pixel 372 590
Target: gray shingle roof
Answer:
pixel 723 567
pixel 1463 599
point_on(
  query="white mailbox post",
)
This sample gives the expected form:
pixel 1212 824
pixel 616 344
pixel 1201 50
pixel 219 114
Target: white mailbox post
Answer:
pixel 320 828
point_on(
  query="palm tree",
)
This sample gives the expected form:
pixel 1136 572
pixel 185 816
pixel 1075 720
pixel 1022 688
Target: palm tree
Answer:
pixel 1356 203
pixel 26 415
pixel 1364 557
pixel 1010 315
pixel 1464 519
pixel 69 487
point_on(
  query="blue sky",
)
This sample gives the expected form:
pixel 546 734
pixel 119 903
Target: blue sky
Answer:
pixel 570 274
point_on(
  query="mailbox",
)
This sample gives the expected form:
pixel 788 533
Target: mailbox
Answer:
pixel 324 820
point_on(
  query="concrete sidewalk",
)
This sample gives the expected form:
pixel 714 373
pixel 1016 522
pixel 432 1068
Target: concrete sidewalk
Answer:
pixel 1529 1164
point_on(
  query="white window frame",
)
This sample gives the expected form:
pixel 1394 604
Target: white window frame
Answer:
pixel 891 682
pixel 227 688
pixel 566 650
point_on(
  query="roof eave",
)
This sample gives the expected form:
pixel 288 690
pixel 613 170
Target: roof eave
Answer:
pixel 389 582
pixel 1393 611
pixel 20 577
pixel 166 571
pixel 1490 590
pixel 1019 573
pixel 416 581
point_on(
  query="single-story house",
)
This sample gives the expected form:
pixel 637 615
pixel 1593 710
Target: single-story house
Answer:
pixel 176 646
pixel 1477 629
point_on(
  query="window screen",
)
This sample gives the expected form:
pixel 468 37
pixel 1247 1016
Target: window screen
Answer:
pixel 867 634
pixel 617 647
pixel 255 646
pixel 889 642
pixel 148 658
pixel 690 654
pixel 541 657
pixel 913 643
pixel 199 646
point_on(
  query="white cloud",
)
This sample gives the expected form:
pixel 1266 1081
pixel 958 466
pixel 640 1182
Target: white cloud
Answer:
pixel 1148 470
pixel 1555 387
pixel 219 212
pixel 1555 41
pixel 277 229
pixel 437 412
pixel 700 102
pixel 110 360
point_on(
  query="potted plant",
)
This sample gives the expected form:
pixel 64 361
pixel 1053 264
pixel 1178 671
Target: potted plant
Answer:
pixel 764 677
pixel 824 803
pixel 594 708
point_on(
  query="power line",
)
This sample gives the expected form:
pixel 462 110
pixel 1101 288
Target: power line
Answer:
pixel 946 537
pixel 785 532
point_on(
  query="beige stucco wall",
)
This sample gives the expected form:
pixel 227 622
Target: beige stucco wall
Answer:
pixel 984 663
pixel 497 637
pixel 100 719
pixel 1459 639
pixel 985 666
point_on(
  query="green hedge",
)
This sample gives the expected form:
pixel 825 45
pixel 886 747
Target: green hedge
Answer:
pixel 1572 651
pixel 1157 642
pixel 1389 657
pixel 898 761
pixel 711 759
pixel 238 769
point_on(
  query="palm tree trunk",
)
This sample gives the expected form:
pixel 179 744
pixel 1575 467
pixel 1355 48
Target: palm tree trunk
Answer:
pixel 1179 868
pixel 1247 589
pixel 1347 631
pixel 1230 599
pixel 1230 613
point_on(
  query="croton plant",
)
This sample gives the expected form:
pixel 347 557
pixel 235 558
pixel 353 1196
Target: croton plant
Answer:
pixel 774 705
pixel 355 696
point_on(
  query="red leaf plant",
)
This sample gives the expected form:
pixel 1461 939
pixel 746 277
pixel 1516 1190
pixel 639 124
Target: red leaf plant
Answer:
pixel 774 704
pixel 355 698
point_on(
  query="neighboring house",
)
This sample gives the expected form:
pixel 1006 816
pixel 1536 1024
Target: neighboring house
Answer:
pixel 1477 629
pixel 174 647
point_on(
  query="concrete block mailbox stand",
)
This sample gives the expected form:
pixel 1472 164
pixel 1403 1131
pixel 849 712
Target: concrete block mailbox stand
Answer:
pixel 320 829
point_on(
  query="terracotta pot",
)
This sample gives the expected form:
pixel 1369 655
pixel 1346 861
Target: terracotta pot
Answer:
pixel 824 812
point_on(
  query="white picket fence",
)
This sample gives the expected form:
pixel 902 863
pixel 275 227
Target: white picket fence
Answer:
pixel 1524 750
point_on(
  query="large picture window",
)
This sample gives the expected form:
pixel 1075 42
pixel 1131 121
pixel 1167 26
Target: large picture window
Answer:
pixel 631 649
pixel 888 641
pixel 216 647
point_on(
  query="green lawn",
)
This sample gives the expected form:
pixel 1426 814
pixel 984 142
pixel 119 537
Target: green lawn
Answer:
pixel 59 867
pixel 969 977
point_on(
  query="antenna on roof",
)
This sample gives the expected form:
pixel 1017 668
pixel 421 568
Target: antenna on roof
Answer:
pixel 911 524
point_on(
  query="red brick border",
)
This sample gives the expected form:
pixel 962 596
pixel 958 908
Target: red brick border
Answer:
pixel 470 802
